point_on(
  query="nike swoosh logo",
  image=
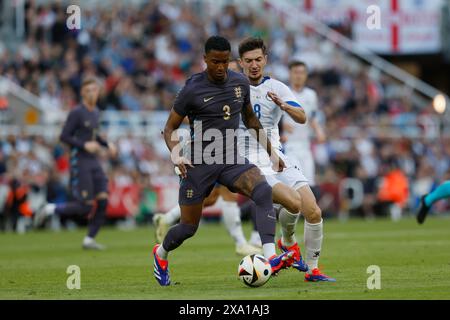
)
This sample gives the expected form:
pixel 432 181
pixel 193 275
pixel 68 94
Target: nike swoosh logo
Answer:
pixel 269 216
pixel 207 99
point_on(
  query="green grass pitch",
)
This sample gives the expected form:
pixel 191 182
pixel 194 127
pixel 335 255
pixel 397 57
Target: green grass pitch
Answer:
pixel 414 262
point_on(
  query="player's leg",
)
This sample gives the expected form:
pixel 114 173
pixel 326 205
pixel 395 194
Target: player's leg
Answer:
pixel 193 190
pixel 163 221
pixel 212 198
pixel 288 210
pixel 97 217
pixel 231 216
pixel 313 234
pixel 288 215
pixel 441 192
pixel 290 202
pixel 248 180
pixel 95 221
pixel 253 184
pixel 177 234
pixel 248 209
pixel 82 191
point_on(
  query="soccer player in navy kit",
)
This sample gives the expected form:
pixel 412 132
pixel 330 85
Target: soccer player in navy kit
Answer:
pixel 88 182
pixel 214 99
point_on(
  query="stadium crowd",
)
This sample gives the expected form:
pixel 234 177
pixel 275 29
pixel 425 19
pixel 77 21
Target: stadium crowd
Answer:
pixel 145 53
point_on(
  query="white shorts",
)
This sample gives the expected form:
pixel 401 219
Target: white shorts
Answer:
pixel 292 176
pixel 305 161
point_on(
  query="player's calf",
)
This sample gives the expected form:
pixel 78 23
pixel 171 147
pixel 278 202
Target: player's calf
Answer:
pixel 178 234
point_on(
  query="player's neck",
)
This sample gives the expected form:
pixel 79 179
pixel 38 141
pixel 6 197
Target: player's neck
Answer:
pixel 256 82
pixel 298 88
pixel 88 106
pixel 212 80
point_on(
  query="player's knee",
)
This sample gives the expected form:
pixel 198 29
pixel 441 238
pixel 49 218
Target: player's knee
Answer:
pixel 262 193
pixel 294 204
pixel 315 215
pixel 210 200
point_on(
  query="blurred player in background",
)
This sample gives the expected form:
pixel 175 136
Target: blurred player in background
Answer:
pixel 88 182
pixel 298 137
pixel 215 99
pixel 271 99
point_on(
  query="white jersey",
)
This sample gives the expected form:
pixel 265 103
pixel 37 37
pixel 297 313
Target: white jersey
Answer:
pixel 298 144
pixel 269 114
pixel 301 134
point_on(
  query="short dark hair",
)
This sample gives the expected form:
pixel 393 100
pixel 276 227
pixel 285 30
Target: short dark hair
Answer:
pixel 250 44
pixel 217 43
pixel 296 63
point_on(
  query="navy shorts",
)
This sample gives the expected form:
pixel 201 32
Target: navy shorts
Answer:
pixel 203 178
pixel 87 178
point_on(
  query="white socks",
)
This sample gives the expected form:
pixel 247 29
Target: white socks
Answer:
pixel 313 243
pixel 173 215
pixel 88 240
pixel 231 215
pixel 269 250
pixel 161 252
pixel 288 222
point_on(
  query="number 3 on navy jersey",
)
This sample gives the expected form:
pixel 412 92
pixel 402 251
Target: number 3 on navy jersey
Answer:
pixel 257 110
pixel 227 111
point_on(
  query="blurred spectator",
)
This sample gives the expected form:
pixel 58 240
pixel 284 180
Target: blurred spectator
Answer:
pixel 148 200
pixel 394 189
pixel 17 206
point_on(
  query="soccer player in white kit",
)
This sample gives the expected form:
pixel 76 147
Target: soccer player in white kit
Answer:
pixel 271 99
pixel 298 137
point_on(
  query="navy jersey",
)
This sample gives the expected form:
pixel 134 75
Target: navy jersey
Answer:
pixel 81 126
pixel 213 106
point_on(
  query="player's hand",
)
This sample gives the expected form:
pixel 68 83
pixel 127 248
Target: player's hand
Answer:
pixel 92 146
pixel 276 99
pixel 277 163
pixel 112 149
pixel 181 164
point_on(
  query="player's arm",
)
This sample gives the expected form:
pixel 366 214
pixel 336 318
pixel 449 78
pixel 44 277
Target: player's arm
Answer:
pixel 321 137
pixel 68 133
pixel 256 130
pixel 173 123
pixel 292 108
pixel 314 123
pixel 173 143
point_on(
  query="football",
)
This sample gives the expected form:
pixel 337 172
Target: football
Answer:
pixel 254 270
